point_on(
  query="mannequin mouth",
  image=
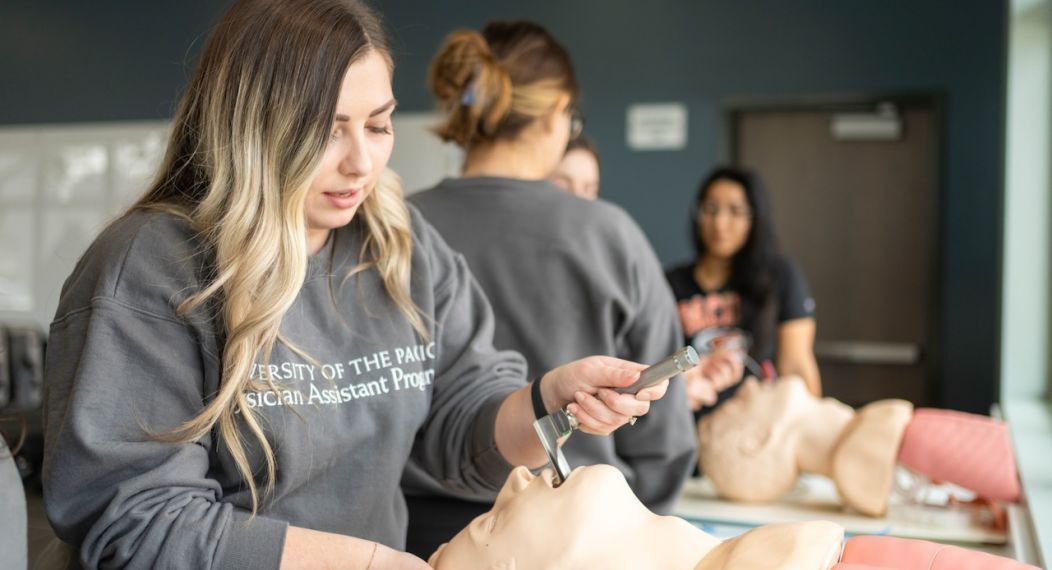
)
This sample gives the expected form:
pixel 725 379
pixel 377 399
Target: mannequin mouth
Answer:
pixel 547 475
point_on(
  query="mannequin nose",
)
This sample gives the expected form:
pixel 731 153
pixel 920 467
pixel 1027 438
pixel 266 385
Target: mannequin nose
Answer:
pixel 520 479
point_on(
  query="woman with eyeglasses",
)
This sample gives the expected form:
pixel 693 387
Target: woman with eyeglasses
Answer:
pixel 565 276
pixel 739 280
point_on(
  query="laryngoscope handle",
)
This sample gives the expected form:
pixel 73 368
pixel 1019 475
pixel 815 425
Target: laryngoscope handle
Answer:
pixel 682 360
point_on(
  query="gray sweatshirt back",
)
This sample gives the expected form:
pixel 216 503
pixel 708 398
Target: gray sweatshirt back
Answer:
pixel 569 278
pixel 122 364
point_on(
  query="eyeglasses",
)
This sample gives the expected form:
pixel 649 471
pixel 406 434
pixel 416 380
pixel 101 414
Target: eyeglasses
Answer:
pixel 710 210
pixel 576 123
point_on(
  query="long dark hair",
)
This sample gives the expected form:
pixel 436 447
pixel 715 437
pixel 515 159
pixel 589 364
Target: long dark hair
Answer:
pixel 754 268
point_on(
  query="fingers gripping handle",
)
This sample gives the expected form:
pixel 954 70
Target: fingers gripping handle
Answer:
pixel 682 360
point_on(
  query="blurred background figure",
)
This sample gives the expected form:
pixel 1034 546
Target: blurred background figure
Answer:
pixel 578 171
pixel 508 95
pixel 739 279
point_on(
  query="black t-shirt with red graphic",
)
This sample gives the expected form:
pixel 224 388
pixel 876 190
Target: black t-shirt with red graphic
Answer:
pixel 700 310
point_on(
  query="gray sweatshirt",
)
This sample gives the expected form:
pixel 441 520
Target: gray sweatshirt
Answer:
pixel 122 364
pixel 568 278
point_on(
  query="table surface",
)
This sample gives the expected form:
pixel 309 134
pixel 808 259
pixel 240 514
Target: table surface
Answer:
pixel 815 498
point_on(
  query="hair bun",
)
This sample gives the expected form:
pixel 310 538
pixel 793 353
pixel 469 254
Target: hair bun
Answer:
pixel 471 86
pixel 492 84
pixel 456 65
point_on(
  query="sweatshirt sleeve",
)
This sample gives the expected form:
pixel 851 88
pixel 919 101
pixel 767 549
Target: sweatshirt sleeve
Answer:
pixel 121 369
pixel 456 444
pixel 114 376
pixel 661 447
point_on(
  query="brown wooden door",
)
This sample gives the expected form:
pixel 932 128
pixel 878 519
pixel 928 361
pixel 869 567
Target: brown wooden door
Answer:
pixel 858 212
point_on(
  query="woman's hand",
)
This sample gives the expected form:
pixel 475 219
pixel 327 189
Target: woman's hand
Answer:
pixel 588 384
pixel 723 368
pixel 716 372
pixel 306 548
pixel 700 390
pixel 390 558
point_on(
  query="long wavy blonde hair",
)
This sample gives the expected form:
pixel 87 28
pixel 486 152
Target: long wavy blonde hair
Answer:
pixel 246 143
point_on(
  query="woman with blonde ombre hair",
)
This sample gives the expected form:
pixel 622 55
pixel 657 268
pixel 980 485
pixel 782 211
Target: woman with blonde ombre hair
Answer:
pixel 242 364
pixel 567 277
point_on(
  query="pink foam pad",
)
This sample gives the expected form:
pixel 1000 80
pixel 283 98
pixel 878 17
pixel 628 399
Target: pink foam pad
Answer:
pixel 907 554
pixel 972 451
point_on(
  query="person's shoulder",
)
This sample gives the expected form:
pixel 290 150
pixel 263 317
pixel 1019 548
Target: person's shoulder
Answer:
pixel 793 290
pixel 141 259
pixel 140 238
pixel 598 216
pixel 424 196
pixel 424 233
pixel 428 244
pixel 441 196
pixel 786 268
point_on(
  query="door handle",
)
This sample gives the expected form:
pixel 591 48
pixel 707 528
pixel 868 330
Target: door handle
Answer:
pixel 864 352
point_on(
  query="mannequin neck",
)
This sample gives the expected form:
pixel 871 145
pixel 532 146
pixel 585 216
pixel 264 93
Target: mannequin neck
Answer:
pixel 819 434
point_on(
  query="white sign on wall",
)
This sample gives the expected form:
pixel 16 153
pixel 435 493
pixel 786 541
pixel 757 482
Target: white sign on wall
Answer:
pixel 656 126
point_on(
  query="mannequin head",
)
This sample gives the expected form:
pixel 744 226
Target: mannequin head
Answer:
pixel 535 526
pixel 754 445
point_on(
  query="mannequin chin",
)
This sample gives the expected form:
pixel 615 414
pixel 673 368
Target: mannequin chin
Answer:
pixel 593 520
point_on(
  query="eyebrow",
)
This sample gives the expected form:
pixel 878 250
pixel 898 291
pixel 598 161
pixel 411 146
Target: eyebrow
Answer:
pixel 379 110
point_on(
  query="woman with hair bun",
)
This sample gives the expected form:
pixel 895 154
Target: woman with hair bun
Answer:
pixel 566 276
pixel 241 365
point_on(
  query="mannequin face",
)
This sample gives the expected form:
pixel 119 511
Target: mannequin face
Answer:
pixel 578 174
pixel 724 219
pixel 753 445
pixel 593 520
